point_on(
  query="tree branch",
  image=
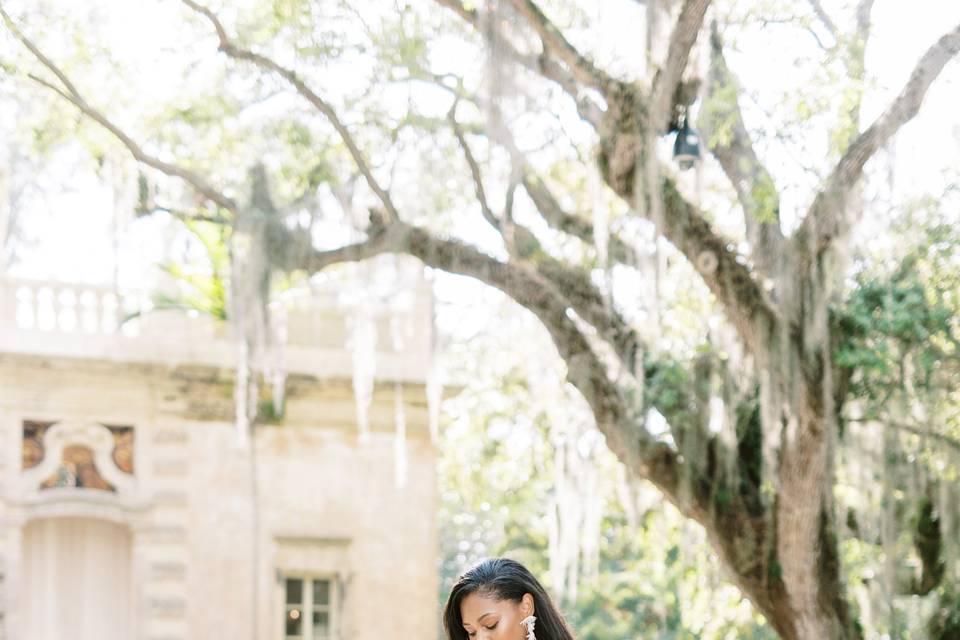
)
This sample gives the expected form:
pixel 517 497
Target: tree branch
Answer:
pixel 726 135
pixel 590 304
pixel 916 429
pixel 682 39
pixel 720 266
pixel 824 18
pixel 569 223
pixel 586 300
pixel 617 418
pixel 584 297
pixel 238 53
pixel 70 93
pixel 855 60
pixel 543 198
pixel 864 9
pixel 187 217
pixel 467 14
pixel 522 244
pixel 827 217
pixel 553 40
pixel 542 65
pixel 716 259
pixel 488 214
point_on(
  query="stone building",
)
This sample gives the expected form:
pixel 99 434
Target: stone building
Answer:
pixel 130 509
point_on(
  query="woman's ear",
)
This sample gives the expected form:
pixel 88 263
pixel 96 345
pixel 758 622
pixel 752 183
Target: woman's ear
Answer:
pixel 526 605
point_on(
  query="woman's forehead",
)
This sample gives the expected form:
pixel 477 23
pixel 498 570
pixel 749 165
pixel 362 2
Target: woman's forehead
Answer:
pixel 477 604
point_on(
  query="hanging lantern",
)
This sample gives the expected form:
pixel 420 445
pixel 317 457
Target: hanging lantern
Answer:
pixel 686 148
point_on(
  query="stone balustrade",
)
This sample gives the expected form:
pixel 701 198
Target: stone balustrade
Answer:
pixel 62 307
pixel 50 318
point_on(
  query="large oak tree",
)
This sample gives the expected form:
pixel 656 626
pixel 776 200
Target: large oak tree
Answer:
pixel 764 492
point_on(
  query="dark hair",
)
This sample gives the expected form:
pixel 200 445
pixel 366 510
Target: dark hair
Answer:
pixel 504 579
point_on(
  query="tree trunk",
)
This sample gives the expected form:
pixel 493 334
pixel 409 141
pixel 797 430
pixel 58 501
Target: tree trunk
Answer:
pixel 785 556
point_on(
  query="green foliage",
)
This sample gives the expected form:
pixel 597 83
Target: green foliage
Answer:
pixel 719 111
pixel 766 199
pixel 945 622
pixel 667 389
pixel 313 29
pixel 909 312
pixel 898 336
pixel 886 318
pixel 660 580
pixel 267 412
pixel 749 446
pixel 202 288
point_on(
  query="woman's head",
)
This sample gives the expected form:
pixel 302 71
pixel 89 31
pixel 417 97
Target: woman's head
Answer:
pixel 490 600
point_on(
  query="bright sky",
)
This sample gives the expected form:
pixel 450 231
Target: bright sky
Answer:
pixel 902 31
pixel 80 221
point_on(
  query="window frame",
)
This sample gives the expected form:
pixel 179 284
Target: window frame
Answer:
pixel 308 607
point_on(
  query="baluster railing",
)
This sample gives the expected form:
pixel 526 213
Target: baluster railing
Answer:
pixel 60 307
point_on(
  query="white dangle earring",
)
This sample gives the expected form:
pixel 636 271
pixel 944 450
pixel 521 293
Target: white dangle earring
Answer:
pixel 529 622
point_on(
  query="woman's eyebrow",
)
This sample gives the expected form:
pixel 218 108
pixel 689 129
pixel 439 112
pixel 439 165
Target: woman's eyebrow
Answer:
pixel 488 613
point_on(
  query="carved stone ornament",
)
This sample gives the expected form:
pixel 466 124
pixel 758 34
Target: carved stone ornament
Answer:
pixel 81 455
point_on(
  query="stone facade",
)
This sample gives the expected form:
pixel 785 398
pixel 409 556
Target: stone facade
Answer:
pixel 206 532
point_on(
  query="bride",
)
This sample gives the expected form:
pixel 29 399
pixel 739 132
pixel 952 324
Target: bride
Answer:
pixel 499 599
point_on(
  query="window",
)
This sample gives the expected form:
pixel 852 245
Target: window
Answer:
pixel 309 608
